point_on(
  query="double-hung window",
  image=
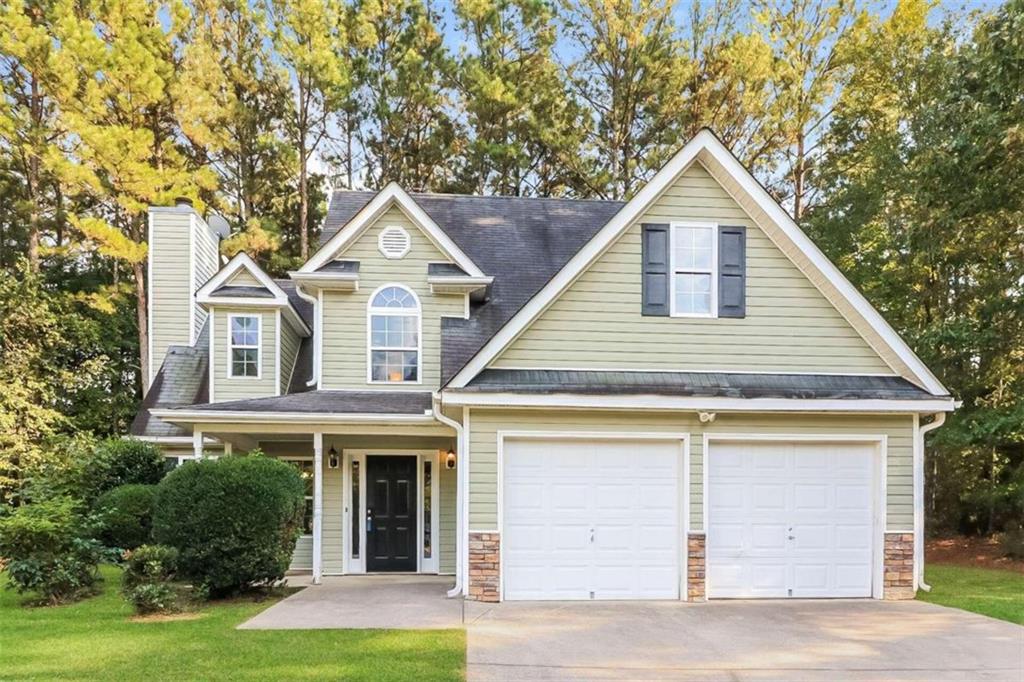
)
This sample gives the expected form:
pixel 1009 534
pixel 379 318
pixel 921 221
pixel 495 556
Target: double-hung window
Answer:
pixel 394 326
pixel 694 270
pixel 244 346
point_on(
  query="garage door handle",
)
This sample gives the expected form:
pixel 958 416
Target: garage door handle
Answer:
pixel 591 536
pixel 791 537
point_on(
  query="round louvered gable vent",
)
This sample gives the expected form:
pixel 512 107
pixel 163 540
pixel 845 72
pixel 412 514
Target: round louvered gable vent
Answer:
pixel 393 242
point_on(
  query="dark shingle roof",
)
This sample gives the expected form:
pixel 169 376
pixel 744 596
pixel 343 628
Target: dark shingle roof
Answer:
pixel 329 402
pixel 243 292
pixel 521 242
pixel 182 380
pixel 303 307
pixel 699 384
pixel 444 270
pixel 340 266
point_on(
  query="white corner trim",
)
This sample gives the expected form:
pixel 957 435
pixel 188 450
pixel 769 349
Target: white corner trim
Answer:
pixel 211 348
pixel 712 404
pixel 362 220
pixel 706 142
pixel 277 352
pixel 192 280
pixel 149 297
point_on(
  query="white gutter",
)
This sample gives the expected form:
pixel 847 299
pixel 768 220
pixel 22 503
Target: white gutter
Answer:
pixel 316 331
pixel 461 498
pixel 940 419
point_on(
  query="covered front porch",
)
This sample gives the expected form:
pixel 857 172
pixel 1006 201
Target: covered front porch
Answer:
pixel 382 492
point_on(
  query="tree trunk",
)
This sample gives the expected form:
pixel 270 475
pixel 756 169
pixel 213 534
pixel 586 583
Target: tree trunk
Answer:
pixel 303 204
pixel 141 318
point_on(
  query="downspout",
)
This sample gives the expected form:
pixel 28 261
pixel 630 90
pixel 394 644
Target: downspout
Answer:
pixel 460 493
pixel 940 419
pixel 316 333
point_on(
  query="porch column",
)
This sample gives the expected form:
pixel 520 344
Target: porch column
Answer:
pixel 197 443
pixel 318 506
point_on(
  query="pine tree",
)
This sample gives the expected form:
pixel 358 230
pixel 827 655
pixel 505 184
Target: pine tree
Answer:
pixel 520 117
pixel 402 75
pixel 630 73
pixel 309 40
pixel 808 39
pixel 117 70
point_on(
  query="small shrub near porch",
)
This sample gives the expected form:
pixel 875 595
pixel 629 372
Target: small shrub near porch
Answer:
pixel 234 521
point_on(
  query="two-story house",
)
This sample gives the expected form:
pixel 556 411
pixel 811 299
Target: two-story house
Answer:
pixel 674 397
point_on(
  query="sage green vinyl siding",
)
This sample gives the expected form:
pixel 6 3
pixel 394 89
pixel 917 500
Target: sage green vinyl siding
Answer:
pixel 789 325
pixel 302 557
pixel 241 388
pixel 170 298
pixel 243 278
pixel 446 487
pixel 486 423
pixel 289 349
pixel 206 252
pixel 344 313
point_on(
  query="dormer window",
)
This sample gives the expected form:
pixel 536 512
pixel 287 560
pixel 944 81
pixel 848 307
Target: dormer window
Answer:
pixel 394 335
pixel 244 346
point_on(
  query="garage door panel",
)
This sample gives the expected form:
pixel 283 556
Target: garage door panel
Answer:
pixel 791 519
pixel 625 492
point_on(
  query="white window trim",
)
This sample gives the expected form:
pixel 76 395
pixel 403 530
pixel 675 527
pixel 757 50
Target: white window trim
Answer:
pixel 394 312
pixel 259 346
pixel 713 271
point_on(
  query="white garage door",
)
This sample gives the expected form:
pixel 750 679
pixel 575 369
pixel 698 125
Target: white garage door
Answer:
pixel 590 519
pixel 790 519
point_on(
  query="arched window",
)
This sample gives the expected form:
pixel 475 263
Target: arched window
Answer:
pixel 394 323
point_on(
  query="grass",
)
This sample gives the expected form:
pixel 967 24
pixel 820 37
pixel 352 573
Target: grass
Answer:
pixel 96 640
pixel 988 591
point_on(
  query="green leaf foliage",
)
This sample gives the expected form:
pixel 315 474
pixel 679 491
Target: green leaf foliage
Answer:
pixel 234 520
pixel 120 461
pixel 125 515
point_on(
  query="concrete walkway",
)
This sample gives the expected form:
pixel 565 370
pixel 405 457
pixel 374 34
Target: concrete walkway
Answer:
pixel 739 640
pixel 373 601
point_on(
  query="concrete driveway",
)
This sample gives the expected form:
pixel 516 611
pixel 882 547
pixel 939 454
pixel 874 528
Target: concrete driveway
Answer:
pixel 739 640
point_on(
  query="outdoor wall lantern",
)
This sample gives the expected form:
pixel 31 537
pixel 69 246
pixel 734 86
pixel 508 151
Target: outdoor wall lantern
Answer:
pixel 449 459
pixel 332 458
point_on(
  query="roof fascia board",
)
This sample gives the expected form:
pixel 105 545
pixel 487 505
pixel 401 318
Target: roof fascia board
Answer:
pixel 661 402
pixel 392 193
pixel 704 141
pixel 227 416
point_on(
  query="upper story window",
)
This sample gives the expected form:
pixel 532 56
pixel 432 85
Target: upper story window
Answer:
pixel 694 270
pixel 244 346
pixel 394 331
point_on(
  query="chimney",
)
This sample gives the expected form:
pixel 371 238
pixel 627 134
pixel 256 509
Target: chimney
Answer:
pixel 183 255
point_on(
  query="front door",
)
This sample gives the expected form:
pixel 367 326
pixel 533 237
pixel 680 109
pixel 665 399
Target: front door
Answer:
pixel 390 513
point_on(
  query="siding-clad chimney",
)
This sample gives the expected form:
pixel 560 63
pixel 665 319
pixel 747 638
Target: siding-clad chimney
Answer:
pixel 183 255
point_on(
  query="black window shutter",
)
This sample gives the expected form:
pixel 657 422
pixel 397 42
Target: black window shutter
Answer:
pixel 655 269
pixel 732 271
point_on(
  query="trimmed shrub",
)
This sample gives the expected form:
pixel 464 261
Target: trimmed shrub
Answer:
pixel 50 551
pixel 1012 542
pixel 150 563
pixel 148 581
pixel 119 461
pixel 234 520
pixel 125 515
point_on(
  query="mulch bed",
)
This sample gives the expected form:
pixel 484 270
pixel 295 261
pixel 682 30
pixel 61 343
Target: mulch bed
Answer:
pixel 982 552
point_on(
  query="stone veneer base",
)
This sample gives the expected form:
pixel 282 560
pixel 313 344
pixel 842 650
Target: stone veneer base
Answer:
pixel 898 581
pixel 695 567
pixel 484 566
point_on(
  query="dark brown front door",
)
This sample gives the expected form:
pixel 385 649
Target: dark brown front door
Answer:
pixel 390 513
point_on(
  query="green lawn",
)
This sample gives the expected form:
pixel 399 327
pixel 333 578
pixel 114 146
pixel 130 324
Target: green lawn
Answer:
pixel 94 639
pixel 988 591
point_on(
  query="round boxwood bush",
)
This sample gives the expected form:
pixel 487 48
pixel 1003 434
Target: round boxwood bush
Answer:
pixel 234 520
pixel 119 461
pixel 125 515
